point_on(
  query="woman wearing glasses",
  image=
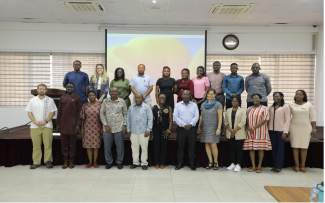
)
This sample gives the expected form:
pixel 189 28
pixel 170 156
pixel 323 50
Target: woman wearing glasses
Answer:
pixel 162 124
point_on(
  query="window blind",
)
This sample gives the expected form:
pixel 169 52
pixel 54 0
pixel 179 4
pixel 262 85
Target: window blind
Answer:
pixel 244 67
pixel 288 73
pixel 20 72
pixel 63 63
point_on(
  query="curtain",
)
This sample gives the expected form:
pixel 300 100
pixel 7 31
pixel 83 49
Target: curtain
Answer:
pixel 20 72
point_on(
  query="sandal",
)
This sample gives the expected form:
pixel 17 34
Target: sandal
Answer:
pixel 296 169
pixel 259 171
pixel 303 170
pixel 209 166
pixel 273 170
pixel 251 169
pixel 216 166
pixel 277 171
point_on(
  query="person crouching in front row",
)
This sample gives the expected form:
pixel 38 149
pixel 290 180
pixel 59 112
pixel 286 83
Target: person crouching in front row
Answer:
pixel 68 124
pixel 139 124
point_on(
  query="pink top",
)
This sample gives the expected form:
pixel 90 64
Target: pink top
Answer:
pixel 199 86
pixel 281 119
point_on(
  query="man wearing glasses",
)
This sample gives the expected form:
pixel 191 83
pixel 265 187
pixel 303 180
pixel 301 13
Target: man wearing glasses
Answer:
pixel 79 79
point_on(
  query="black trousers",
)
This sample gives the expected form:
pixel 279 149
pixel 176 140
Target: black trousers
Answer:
pixel 251 104
pixel 236 150
pixel 277 148
pixel 184 137
pixel 229 104
pixel 160 145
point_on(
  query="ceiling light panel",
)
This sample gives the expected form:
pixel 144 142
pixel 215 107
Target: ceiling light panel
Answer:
pixel 231 9
pixel 84 6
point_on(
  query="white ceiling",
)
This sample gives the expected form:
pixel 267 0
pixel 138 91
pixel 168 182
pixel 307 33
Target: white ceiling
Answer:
pixel 174 12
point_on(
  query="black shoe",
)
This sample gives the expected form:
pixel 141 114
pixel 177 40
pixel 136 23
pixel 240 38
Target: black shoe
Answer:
pixel 193 168
pixel 34 166
pixel 119 166
pixel 179 166
pixel 108 166
pixel 48 164
pixel 144 167
pixel 133 166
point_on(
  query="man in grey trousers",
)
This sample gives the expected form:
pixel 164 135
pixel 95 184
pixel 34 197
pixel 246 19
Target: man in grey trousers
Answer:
pixel 113 116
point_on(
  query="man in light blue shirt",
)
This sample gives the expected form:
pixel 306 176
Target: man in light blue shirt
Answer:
pixel 232 85
pixel 186 116
pixel 139 125
pixel 142 83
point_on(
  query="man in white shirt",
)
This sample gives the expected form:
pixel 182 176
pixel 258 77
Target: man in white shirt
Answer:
pixel 41 110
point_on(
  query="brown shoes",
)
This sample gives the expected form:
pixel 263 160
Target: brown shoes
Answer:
pixel 65 165
pixel 303 170
pixel 162 166
pixel 259 170
pixel 296 169
pixel 251 169
pixel 71 165
pixel 157 166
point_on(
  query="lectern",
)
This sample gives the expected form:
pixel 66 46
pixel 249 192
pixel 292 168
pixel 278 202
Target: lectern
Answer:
pixel 55 94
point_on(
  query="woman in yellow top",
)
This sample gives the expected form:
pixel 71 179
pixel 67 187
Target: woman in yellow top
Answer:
pixel 235 122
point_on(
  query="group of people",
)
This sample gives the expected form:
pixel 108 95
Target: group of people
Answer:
pixel 100 110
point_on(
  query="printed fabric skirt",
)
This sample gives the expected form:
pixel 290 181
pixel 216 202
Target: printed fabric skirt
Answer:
pixel 254 142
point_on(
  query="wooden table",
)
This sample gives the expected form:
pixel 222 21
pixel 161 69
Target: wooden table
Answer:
pixel 290 194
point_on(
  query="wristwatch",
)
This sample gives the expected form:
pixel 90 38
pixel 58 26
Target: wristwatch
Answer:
pixel 314 130
pixel 46 121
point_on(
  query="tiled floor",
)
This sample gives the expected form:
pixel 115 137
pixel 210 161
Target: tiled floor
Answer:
pixel 19 183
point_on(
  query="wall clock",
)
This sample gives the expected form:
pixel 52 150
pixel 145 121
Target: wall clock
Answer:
pixel 230 42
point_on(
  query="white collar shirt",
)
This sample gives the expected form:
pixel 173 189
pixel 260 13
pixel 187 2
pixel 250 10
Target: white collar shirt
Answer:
pixel 37 107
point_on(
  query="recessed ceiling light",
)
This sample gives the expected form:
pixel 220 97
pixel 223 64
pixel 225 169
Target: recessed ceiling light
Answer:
pixel 281 23
pixel 154 1
pixel 154 8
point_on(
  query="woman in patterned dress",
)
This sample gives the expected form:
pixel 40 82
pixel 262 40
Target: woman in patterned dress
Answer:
pixel 91 128
pixel 257 134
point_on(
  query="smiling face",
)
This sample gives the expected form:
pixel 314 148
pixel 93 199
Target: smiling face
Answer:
pixel 77 66
pixel 141 69
pixel 99 70
pixel 162 99
pixel 256 68
pixel 70 88
pixel 235 102
pixel 299 96
pixel 256 100
pixel 199 72
pixel 277 98
pixel 113 91
pixel 92 97
pixel 119 73
pixel 234 69
pixel 166 72
pixel 184 74
pixel 216 66
pixel 138 99
pixel 211 95
pixel 186 96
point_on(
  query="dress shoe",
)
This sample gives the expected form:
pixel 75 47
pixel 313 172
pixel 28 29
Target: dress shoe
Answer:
pixel 303 170
pixel 48 164
pixel 96 165
pixel 34 166
pixel 108 166
pixel 133 166
pixel 119 166
pixel 71 165
pixel 179 166
pixel 193 168
pixel 144 167
pixel 162 166
pixel 296 169
pixel 65 165
pixel 89 165
pixel 157 166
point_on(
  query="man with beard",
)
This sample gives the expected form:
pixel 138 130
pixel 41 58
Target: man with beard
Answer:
pixel 41 110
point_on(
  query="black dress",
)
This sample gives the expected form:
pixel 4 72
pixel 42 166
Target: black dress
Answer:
pixel 166 88
pixel 160 143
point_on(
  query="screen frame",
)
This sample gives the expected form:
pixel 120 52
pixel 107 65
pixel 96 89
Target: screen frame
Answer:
pixel 106 50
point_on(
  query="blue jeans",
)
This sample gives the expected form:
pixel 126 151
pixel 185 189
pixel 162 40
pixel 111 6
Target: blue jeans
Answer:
pixel 277 148
pixel 108 142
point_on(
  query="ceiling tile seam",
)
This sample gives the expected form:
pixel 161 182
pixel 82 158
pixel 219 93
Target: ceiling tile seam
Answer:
pixel 166 20
pixel 117 9
pixel 193 9
pixel 142 9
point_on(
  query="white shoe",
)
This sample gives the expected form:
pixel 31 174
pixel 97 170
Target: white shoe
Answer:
pixel 231 167
pixel 237 168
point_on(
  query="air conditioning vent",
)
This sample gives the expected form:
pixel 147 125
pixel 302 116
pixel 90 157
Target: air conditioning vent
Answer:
pixel 231 9
pixel 84 6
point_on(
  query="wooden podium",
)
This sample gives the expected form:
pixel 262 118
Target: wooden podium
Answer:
pixel 55 94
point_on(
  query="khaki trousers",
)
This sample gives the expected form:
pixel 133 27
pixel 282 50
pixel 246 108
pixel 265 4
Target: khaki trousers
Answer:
pixel 38 135
pixel 138 140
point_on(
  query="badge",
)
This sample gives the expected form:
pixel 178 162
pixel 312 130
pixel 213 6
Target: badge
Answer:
pixel 165 110
pixel 72 99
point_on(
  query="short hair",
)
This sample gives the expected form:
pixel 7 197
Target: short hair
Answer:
pixel 142 65
pixel 91 91
pixel 304 93
pixel 115 74
pixel 71 83
pixel 43 85
pixel 216 62
pixel 201 67
pixel 282 100
pixel 260 96
pixel 211 89
pixel 238 99
pixel 233 64
pixel 76 61
pixel 161 94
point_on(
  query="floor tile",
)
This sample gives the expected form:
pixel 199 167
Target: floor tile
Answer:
pixel 73 186
pixel 109 186
pixel 195 194
pixel 192 187
pixel 61 199
pixel 110 193
pixel 66 193
pixel 153 180
pixel 196 199
pixel 150 187
pixel 190 181
pixel 107 199
pixel 19 199
pixel 237 194
pixel 241 200
pixel 22 193
pixel 152 199
pixel 152 193
pixel 33 186
pixel 117 180
pixel 6 186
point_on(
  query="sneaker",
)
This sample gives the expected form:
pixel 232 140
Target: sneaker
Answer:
pixel 231 167
pixel 34 166
pixel 237 168
pixel 48 164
